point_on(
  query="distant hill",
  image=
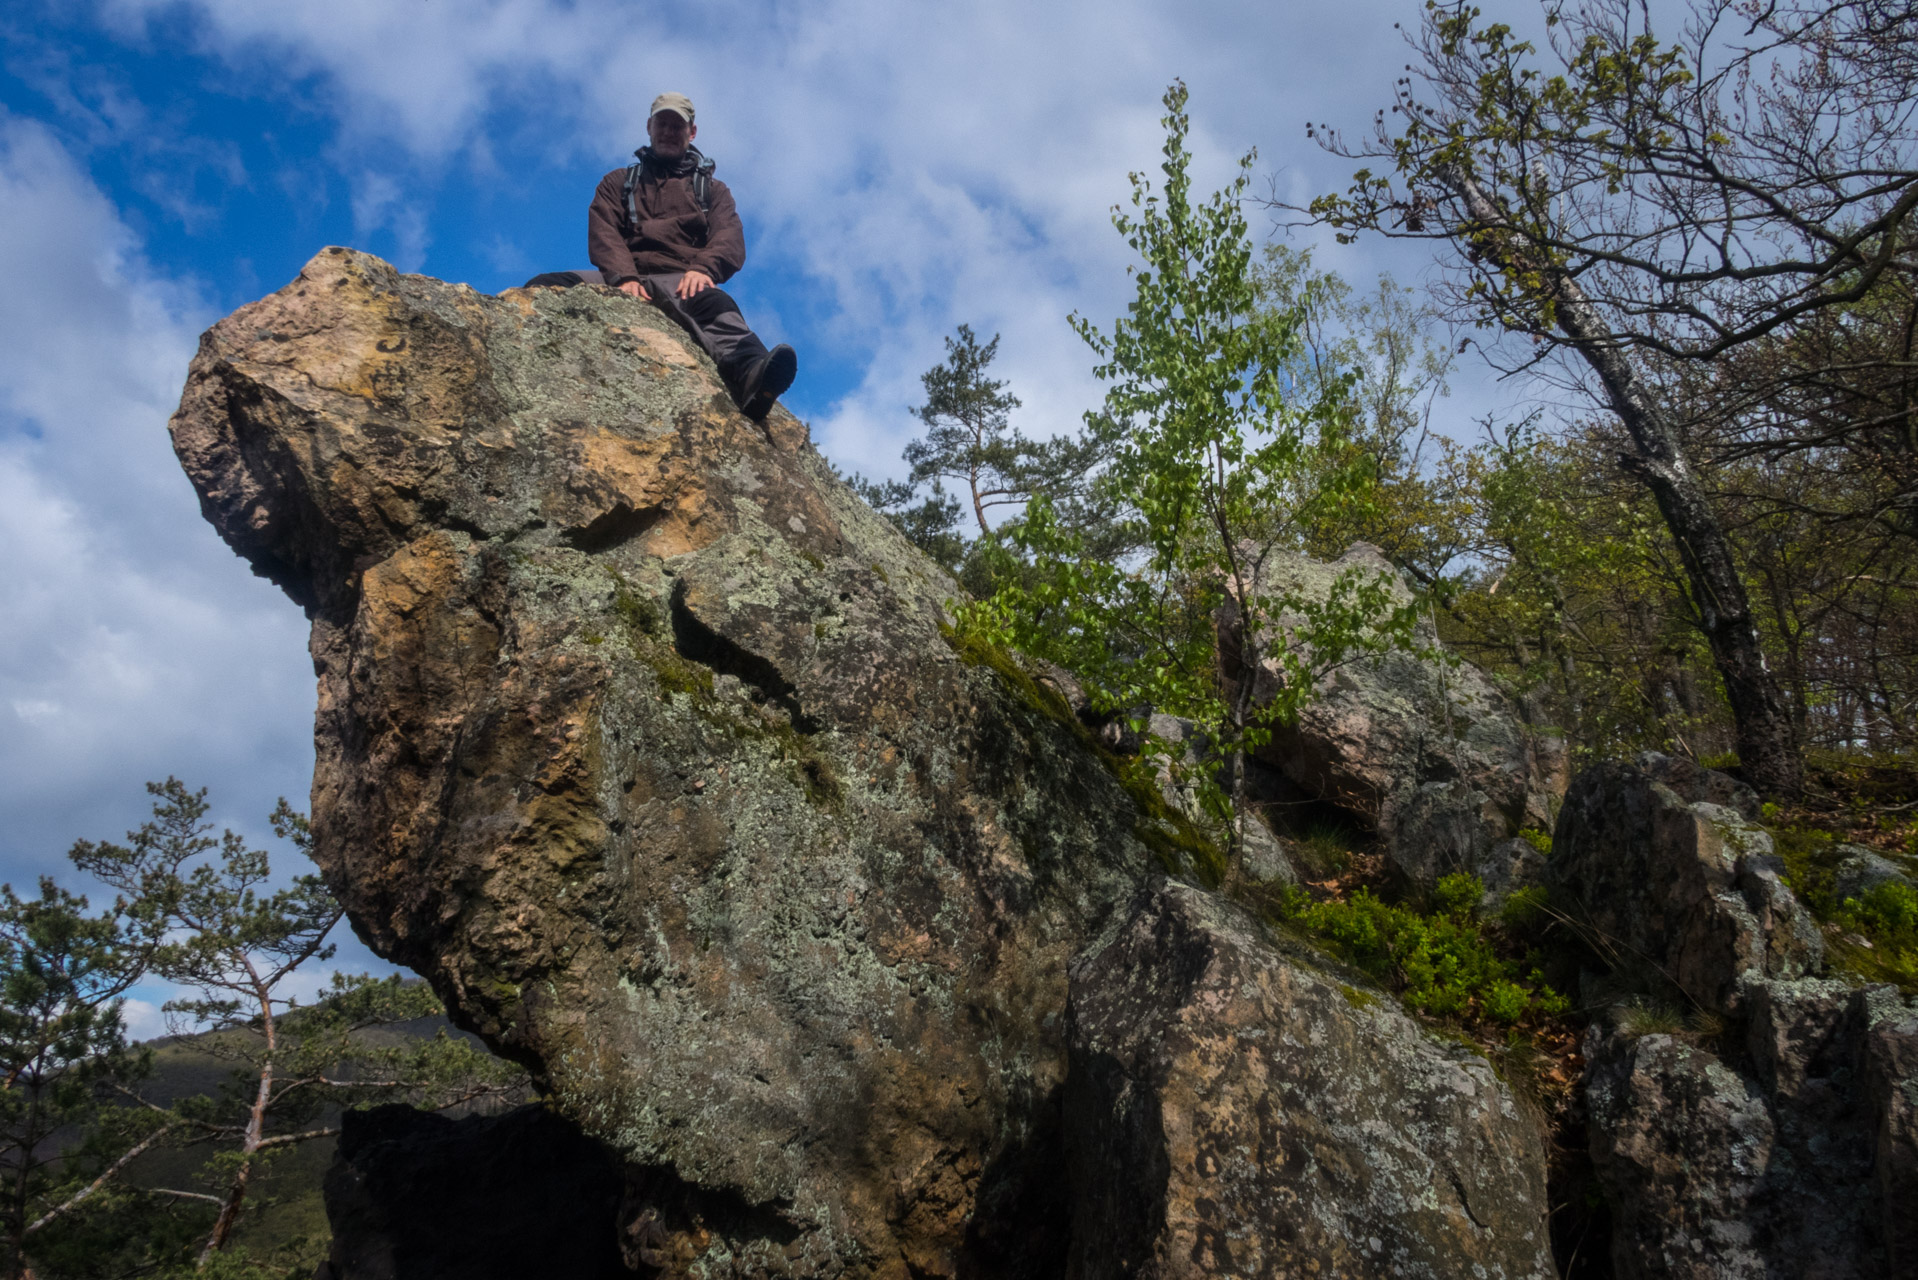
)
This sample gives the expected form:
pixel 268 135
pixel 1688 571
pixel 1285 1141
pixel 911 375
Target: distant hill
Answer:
pixel 286 1212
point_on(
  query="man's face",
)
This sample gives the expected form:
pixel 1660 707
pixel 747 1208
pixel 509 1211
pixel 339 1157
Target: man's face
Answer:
pixel 669 134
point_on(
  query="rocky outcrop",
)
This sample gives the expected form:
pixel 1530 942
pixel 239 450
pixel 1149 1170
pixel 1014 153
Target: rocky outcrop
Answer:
pixel 1232 1110
pixel 1426 752
pixel 639 736
pixel 1787 1154
pixel 1859 871
pixel 1777 1136
pixel 1670 879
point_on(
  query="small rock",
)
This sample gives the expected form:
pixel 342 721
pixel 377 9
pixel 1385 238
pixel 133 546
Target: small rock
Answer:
pixel 1265 858
pixel 1861 871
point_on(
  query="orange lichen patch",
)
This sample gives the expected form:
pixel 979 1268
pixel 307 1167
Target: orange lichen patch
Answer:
pixel 520 298
pixel 787 431
pixel 606 483
pixel 424 636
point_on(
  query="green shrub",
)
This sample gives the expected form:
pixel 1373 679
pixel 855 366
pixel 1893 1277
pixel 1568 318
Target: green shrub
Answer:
pixel 1441 964
pixel 1879 938
pixel 1888 912
pixel 1886 920
pixel 1523 908
pixel 1505 1001
pixel 1458 894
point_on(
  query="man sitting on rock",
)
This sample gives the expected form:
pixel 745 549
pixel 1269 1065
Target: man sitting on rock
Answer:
pixel 665 229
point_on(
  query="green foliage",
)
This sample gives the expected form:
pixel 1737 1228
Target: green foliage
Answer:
pixel 1811 860
pixel 969 439
pixel 1458 894
pixel 63 972
pixel 971 443
pixel 201 911
pixel 1888 910
pixel 1376 352
pixel 1211 456
pixel 930 523
pixel 227 936
pixel 1539 840
pixel 1523 909
pixel 1441 963
pixel 1886 918
pixel 1876 937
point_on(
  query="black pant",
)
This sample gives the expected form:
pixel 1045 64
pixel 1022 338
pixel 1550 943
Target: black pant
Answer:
pixel 710 315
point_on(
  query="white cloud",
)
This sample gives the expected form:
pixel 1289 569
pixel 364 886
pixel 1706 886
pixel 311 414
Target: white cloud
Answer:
pixel 143 1019
pixel 137 645
pixel 918 165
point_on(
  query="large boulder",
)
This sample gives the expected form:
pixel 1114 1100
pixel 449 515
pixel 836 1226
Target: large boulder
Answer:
pixel 639 737
pixel 1790 1153
pixel 646 742
pixel 1425 751
pixel 1235 1110
pixel 1777 1136
pixel 1667 875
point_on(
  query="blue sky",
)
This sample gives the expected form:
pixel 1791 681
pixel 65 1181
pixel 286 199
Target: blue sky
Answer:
pixel 901 168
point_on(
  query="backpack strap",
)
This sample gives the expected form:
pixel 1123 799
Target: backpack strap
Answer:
pixel 632 205
pixel 702 189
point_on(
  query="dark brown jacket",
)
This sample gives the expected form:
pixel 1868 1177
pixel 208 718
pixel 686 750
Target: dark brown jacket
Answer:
pixel 672 235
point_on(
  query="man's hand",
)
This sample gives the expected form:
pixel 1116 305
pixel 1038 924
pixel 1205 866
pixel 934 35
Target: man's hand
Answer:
pixel 692 282
pixel 633 289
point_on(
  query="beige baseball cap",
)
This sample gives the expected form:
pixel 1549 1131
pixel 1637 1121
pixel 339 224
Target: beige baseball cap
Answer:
pixel 677 103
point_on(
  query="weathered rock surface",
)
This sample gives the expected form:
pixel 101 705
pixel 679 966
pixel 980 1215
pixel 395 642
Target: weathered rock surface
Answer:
pixel 1781 1144
pixel 638 735
pixel 1790 1154
pixel 1235 1111
pixel 1430 755
pixel 416 1196
pixel 1660 862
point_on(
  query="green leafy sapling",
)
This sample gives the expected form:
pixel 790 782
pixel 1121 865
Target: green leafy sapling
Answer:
pixel 1216 461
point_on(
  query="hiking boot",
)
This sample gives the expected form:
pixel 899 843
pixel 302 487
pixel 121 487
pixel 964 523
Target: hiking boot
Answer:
pixel 766 381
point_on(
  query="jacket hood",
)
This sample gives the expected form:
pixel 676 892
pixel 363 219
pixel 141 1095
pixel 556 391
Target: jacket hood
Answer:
pixel 693 161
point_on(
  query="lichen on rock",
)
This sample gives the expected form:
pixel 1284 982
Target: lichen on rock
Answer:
pixel 644 740
pixel 1776 1136
pixel 1232 1110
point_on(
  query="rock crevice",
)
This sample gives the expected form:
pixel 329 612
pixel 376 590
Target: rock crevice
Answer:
pixel 639 736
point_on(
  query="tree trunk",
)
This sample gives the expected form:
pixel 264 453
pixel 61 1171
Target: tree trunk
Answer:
pixel 229 1215
pixel 250 1142
pixel 1767 749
